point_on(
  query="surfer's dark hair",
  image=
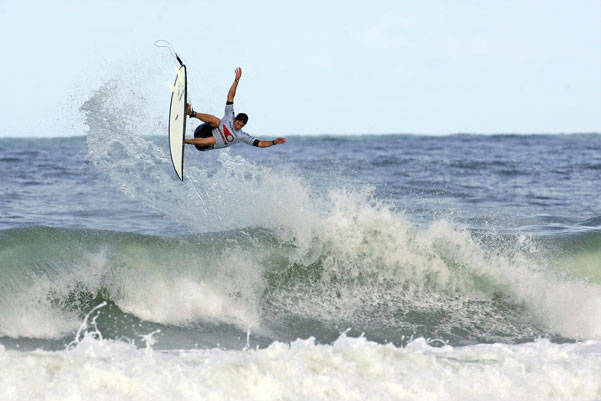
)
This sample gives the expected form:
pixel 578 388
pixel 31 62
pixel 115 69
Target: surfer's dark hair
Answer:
pixel 242 117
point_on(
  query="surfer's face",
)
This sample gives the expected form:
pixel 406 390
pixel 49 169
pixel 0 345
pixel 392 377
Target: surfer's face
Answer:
pixel 238 125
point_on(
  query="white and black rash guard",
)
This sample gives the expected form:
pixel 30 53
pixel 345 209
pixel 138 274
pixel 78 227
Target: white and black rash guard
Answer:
pixel 225 135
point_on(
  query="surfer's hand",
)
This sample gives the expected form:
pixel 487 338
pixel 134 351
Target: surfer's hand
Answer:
pixel 279 141
pixel 238 73
pixel 189 109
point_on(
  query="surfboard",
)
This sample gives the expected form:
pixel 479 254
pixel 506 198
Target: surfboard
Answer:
pixel 177 120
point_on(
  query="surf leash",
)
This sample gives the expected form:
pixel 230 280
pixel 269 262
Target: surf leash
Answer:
pixel 164 43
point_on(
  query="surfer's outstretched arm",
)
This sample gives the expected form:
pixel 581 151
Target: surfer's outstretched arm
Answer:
pixel 232 92
pixel 266 144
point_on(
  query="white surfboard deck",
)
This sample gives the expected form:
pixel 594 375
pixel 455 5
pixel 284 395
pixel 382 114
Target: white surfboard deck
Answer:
pixel 177 120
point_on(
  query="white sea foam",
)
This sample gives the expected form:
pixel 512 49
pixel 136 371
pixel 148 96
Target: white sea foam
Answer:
pixel 349 369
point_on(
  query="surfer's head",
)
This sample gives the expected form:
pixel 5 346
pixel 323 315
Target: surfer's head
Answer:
pixel 240 121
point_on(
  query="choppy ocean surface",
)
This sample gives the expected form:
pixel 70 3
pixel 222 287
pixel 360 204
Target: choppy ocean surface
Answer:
pixel 393 267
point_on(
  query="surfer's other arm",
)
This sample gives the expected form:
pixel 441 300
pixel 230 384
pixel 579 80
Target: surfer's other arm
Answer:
pixel 232 92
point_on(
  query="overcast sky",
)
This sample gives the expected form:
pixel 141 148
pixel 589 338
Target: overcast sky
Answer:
pixel 312 67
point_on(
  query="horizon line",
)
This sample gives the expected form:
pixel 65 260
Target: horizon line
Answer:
pixel 358 134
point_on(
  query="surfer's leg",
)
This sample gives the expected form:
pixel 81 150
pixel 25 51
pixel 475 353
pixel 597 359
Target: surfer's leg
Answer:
pixel 200 141
pixel 205 118
pixel 203 137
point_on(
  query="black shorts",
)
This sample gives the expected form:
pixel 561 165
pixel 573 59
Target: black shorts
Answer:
pixel 203 131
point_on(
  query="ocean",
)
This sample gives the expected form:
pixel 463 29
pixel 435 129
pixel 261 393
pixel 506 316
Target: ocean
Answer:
pixel 374 267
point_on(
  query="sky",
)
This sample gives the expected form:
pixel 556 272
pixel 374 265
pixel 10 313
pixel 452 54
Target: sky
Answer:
pixel 311 67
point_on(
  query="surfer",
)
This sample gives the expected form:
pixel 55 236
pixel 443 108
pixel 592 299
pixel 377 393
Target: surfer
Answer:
pixel 218 133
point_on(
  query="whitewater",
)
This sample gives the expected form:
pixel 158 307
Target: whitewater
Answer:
pixel 375 267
